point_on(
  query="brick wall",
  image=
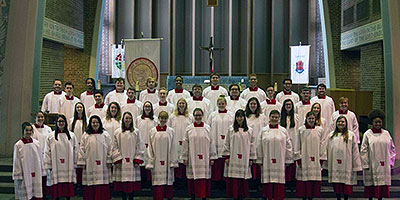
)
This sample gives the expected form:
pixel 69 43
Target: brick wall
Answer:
pixel 372 73
pixel 67 12
pixel 373 16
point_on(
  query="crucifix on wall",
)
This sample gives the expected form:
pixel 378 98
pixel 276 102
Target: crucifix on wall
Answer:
pixel 211 50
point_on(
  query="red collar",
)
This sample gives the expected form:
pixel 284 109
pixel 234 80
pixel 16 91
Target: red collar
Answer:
pixel 234 99
pixel 151 92
pixel 198 125
pixel 57 93
pixel 127 129
pixel 61 131
pixel 146 115
pixel 79 118
pixel 287 93
pixel 161 128
pixel 99 106
pixel 222 111
pixel 163 104
pixel 95 132
pixel 37 126
pixel 26 141
pixel 272 101
pixel 131 101
pixel 179 113
pixel 179 90
pixel 215 87
pixel 253 89
pixel 309 127
pixel 322 97
pixel 119 92
pixel 343 112
pixel 273 126
pixel 69 98
pixel 89 93
pixel 374 130
pixel 306 102
pixel 198 98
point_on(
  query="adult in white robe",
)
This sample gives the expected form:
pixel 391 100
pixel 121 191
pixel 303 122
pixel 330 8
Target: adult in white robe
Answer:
pixel 198 101
pixel 302 108
pixel 350 116
pixel 99 108
pixel 269 105
pixel 87 97
pixel 50 101
pixel 151 93
pixel 175 94
pixel 119 94
pixel 320 121
pixel 287 93
pixel 132 105
pixel 163 104
pixel 253 90
pixel 234 101
pixel 112 121
pixel 213 91
pixel 27 166
pixel 327 103
pixel 40 130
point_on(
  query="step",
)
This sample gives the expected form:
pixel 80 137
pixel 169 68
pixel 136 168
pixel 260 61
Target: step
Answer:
pixel 6 177
pixel 7 188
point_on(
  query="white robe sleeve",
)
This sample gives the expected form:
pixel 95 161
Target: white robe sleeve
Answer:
pixel 213 148
pixel 75 149
pixel 113 155
pixel 150 151
pixel 47 154
pixel 356 155
pixel 139 149
pixel 82 151
pixel 289 149
pixel 297 146
pixel 227 144
pixel 17 173
pixel 355 128
pixel 185 148
pixel 364 152
pixel 173 154
pixel 322 146
pixel 392 153
pixel 253 145
pixel 45 106
pixel 259 149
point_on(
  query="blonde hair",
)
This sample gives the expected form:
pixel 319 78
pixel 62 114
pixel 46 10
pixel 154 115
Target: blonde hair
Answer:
pixel 343 99
pixel 163 114
pixel 163 88
pixel 221 98
pixel 151 79
pixel 176 111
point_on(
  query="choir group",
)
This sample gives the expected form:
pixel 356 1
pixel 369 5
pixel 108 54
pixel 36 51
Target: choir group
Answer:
pixel 209 137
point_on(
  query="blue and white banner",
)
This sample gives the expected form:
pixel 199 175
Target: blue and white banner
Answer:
pixel 299 64
pixel 118 61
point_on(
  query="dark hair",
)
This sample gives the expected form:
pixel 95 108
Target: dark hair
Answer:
pixel 284 115
pixel 120 79
pixel 307 115
pixel 65 127
pixel 24 125
pixel 287 79
pixel 321 85
pixel 318 119
pixel 69 83
pixel 234 84
pixel 240 113
pixel 151 111
pixel 376 114
pixel 215 74
pixel 345 132
pixel 38 113
pixel 198 109
pixel 90 130
pixel 93 81
pixel 270 85
pixel 123 123
pixel 56 79
pixel 178 77
pixel 131 88
pixel 98 92
pixel 258 110
pixel 84 120
pixel 305 89
pixel 108 113
pixel 196 85
pixel 274 112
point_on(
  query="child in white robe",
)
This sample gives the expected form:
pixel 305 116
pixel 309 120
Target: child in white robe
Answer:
pixel 343 159
pixel 163 104
pixel 60 159
pixel 112 121
pixel 127 141
pixel 198 101
pixel 234 102
pixel 213 91
pixel 239 153
pixel 304 106
pixel 150 94
pixel 287 92
pixel 270 102
pixel 87 97
pixel 253 90
pixel 132 105
pixel 27 166
pixel 319 120
pixel 40 130
pixel 175 94
pixel 378 155
pixel 119 94
pixel 99 108
pixel 327 103
pixel 350 116
pixel 66 104
pixel 162 158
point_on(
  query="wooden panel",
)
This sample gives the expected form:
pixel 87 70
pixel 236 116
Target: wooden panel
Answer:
pixel 360 102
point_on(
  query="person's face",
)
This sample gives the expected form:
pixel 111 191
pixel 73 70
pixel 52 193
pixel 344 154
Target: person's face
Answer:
pixel 288 106
pixel 61 123
pixel 316 109
pixel 57 86
pixel 253 81
pixel 147 108
pixel 274 119
pixel 197 91
pixel 131 94
pixel 95 124
pixel 151 84
pixel 113 110
pixel 234 92
pixel 127 120
pixel 270 92
pixel 253 105
pixel 163 120
pixel 98 98
pixel 162 94
pixel 221 105
pixel 89 85
pixel 311 120
pixel 344 105
pixel 341 123
pixel 178 82
pixel 39 118
pixel 240 119
pixel 377 123
pixel 69 89
pixel 321 91
pixel 287 85
pixel 181 106
pixel 28 132
pixel 198 116
pixel 79 108
pixel 214 80
pixel 305 95
pixel 119 85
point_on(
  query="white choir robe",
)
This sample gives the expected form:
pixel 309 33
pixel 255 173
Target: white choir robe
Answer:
pixel 78 129
pixel 162 157
pixel 309 147
pixel 50 102
pixel 67 107
pixel 87 100
pixel 302 110
pixel 240 148
pixel 169 108
pixel 212 94
pixel 274 150
pixel 254 92
pixel 267 107
pixel 343 159
pixel 111 126
pixel 131 148
pixel 101 111
pixel 146 95
pixel 134 108
pixel 234 105
pixel 174 95
pixel 257 124
pixel 352 122
pixel 378 155
pixel 327 106
pixel 95 152
pixel 40 134
pixel 144 126
pixel 179 123
pixel 114 96
pixel 204 104
pixel 27 170
pixel 60 158
pixel 198 150
pixel 294 131
pixel 220 123
pixel 281 97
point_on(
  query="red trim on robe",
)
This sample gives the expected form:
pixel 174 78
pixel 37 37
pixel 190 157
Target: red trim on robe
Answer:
pixel 198 125
pixel 57 93
pixel 162 104
pixel 128 101
pixel 198 98
pixel 272 101
pixel 287 93
pixel 161 128
pixel 342 112
pixel 374 130
pixel 89 93
pixel 222 111
pixel 99 106
pixel 37 125
pixel 69 98
pixel 322 97
pixel 273 126
pixel 215 87
pixel 151 92
pixel 253 89
pixel 179 90
pixel 27 141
